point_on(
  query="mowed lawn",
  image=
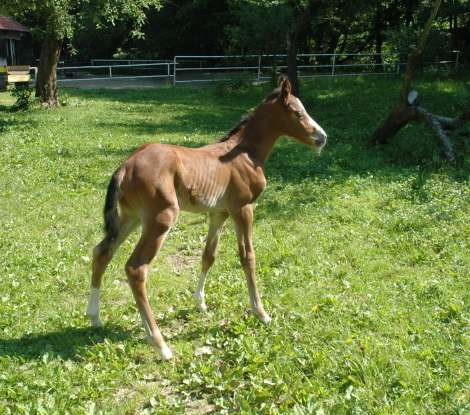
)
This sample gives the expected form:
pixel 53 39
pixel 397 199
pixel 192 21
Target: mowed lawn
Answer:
pixel 363 261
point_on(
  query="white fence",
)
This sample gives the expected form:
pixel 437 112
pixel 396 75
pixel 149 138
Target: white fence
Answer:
pixel 188 69
pixel 210 68
pixel 113 61
pixel 124 71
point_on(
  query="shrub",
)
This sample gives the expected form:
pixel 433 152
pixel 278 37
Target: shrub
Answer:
pixel 22 93
pixel 239 84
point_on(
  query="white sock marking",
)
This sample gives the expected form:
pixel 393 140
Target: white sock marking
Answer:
pixel 199 294
pixel 93 310
pixel 166 353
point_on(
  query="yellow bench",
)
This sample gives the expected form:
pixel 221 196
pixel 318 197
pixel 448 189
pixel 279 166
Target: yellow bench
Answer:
pixel 18 74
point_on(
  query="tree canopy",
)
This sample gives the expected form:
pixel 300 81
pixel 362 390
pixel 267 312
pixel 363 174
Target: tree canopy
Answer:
pixel 163 28
pixel 54 21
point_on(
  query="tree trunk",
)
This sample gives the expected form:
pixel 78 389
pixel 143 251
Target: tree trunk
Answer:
pixel 378 38
pixel 292 61
pixel 403 112
pixel 407 109
pixel 396 120
pixel 46 83
pixel 409 13
pixel 300 32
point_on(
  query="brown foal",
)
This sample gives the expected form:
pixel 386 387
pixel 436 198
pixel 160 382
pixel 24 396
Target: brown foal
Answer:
pixel 223 179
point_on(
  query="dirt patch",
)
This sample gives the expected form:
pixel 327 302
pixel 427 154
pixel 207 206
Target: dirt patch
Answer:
pixel 199 407
pixel 181 262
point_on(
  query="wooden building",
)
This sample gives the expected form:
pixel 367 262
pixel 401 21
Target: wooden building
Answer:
pixel 14 42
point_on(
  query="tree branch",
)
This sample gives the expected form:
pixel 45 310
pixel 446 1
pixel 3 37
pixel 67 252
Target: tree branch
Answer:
pixel 415 55
pixel 435 123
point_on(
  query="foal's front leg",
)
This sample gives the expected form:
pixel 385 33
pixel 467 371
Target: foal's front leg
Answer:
pixel 244 227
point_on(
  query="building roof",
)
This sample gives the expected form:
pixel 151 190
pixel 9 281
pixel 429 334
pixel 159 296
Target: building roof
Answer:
pixel 7 23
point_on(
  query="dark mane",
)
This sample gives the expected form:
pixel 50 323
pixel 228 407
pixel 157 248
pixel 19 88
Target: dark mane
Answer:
pixel 274 94
pixel 244 120
pixel 247 117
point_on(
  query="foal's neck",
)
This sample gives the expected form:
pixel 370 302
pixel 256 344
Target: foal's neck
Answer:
pixel 257 137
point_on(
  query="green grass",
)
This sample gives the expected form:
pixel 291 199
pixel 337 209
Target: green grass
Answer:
pixel 363 261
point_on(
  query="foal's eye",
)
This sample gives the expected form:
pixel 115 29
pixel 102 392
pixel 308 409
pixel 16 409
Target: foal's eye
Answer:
pixel 298 114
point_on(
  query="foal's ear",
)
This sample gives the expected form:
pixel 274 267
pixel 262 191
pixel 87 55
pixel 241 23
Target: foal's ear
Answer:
pixel 286 89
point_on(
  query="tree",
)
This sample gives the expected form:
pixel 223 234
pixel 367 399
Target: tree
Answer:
pixel 56 21
pixel 176 29
pixel 258 26
pixel 262 27
pixel 407 108
pixel 302 16
pixel 271 26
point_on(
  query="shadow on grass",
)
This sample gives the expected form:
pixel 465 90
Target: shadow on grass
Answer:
pixel 119 153
pixel 7 108
pixel 68 343
pixel 208 122
pixel 194 96
pixel 14 123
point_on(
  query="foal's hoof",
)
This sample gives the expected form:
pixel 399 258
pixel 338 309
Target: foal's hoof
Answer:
pixel 200 303
pixel 263 317
pixel 166 353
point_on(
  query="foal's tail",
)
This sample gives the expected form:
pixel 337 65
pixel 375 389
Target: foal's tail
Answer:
pixel 111 215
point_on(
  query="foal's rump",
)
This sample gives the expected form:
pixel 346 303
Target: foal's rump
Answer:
pixel 146 179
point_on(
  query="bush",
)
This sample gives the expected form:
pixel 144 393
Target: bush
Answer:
pixel 22 93
pixel 275 76
pixel 239 84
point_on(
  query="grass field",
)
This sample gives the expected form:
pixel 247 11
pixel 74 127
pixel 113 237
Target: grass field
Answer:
pixel 363 262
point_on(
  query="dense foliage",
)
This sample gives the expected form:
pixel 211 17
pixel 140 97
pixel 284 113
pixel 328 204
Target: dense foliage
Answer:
pixel 244 26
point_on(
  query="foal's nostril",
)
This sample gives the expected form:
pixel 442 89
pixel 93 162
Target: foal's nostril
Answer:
pixel 320 139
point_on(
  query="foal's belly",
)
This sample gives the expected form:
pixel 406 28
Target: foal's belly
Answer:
pixel 195 200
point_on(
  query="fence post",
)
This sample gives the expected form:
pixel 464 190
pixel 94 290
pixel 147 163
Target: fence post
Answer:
pixel 259 68
pixel 333 66
pixel 35 72
pixel 174 71
pixel 110 72
pixel 457 60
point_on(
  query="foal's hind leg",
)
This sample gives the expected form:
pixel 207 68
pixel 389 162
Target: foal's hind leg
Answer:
pixel 102 255
pixel 216 220
pixel 244 227
pixel 137 267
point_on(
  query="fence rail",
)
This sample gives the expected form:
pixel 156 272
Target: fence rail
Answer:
pixel 120 71
pixel 204 68
pixel 94 62
pixel 210 68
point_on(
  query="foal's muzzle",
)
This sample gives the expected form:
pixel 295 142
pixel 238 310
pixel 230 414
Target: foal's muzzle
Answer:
pixel 320 139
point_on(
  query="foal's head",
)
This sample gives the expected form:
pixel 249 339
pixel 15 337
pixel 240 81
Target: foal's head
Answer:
pixel 294 120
